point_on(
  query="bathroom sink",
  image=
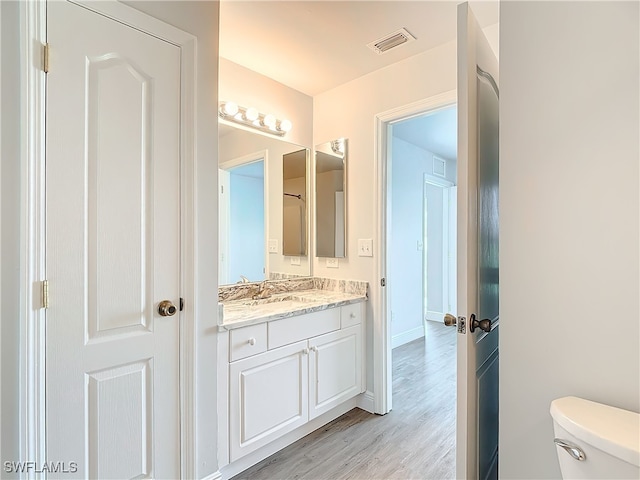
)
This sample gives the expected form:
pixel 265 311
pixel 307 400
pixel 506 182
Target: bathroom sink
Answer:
pixel 273 299
pixel 265 301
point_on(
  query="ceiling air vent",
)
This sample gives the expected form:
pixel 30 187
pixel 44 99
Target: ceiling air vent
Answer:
pixel 395 39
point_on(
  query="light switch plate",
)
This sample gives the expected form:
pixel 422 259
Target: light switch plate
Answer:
pixel 273 245
pixel 365 247
pixel 295 260
pixel 332 263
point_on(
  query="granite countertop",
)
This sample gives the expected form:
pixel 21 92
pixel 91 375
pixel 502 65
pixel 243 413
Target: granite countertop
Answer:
pixel 240 312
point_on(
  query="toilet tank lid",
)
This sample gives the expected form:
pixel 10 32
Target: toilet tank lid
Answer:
pixel 610 429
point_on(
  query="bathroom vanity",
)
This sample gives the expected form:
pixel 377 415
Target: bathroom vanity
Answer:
pixel 290 359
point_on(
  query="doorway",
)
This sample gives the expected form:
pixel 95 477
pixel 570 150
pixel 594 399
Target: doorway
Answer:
pixel 394 325
pixel 421 261
pixel 439 259
pixel 421 247
pixel 421 267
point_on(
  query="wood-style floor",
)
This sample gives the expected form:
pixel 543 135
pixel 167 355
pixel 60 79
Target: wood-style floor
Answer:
pixel 416 440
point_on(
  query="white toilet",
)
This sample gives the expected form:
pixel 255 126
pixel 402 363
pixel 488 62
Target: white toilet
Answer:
pixel 595 440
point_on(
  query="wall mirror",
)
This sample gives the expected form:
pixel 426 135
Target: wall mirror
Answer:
pixel 252 206
pixel 331 199
pixel 294 203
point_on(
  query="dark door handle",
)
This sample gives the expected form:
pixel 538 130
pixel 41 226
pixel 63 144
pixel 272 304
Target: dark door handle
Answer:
pixel 484 325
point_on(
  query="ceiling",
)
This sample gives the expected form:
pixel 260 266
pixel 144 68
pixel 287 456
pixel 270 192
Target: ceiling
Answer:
pixel 314 46
pixel 436 132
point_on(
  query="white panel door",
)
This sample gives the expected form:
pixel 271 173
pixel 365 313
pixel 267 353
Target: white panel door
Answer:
pixel 478 269
pixel 268 397
pixel 335 369
pixel 113 247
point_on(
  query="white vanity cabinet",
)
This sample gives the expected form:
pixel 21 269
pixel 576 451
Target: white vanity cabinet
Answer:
pixel 312 364
pixel 269 397
pixel 335 369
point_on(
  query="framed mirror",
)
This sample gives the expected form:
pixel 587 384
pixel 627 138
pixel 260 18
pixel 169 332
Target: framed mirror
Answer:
pixel 251 207
pixel 331 198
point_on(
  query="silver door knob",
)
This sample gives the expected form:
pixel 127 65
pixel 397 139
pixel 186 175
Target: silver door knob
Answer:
pixel 166 308
pixel 450 320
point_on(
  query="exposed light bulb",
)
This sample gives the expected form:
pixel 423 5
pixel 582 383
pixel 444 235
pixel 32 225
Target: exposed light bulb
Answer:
pixel 229 108
pixel 251 117
pixel 269 121
pixel 285 125
pixel 251 114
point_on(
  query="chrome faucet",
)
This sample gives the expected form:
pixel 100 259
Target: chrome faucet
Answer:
pixel 264 290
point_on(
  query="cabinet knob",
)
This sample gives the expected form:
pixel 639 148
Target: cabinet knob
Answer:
pixel 352 315
pixel 305 351
pixel 251 341
pixel 314 349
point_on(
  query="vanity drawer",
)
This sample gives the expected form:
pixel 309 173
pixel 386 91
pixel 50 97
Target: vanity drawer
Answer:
pixel 300 327
pixel 247 341
pixel 351 314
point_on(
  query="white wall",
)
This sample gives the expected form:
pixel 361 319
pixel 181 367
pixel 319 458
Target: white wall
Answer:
pixel 250 89
pixel 10 234
pixel 409 163
pixel 569 218
pixel 1 457
pixel 349 111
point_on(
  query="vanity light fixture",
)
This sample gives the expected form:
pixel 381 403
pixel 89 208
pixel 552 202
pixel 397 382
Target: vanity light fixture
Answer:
pixel 251 117
pixel 337 146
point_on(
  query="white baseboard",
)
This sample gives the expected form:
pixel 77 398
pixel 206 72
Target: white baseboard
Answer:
pixel 408 336
pixel 366 402
pixel 213 476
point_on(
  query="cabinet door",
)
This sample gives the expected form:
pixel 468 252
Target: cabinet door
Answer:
pixel 335 369
pixel 268 397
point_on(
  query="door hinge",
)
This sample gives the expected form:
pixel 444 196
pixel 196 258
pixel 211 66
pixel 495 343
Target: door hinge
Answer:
pixel 45 58
pixel 45 294
pixel 383 282
pixel 181 303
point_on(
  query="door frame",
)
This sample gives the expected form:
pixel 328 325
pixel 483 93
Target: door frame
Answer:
pixel 443 184
pixel 382 368
pixel 223 220
pixel 33 100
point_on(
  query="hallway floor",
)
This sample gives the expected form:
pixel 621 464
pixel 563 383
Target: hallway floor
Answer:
pixel 416 440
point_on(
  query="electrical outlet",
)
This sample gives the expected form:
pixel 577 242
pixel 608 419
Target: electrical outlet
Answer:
pixel 332 263
pixel 365 247
pixel 273 245
pixel 295 260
